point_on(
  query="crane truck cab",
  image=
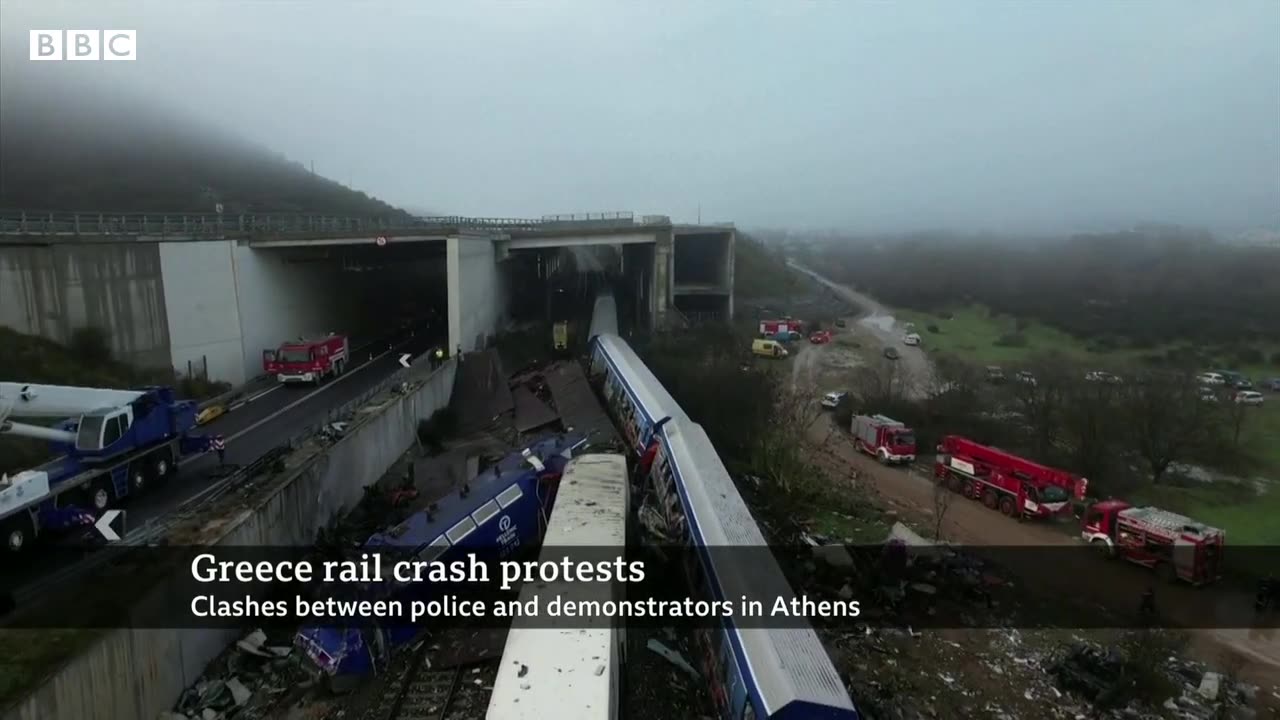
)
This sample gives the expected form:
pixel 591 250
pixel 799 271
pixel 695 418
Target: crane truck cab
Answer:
pixel 1174 545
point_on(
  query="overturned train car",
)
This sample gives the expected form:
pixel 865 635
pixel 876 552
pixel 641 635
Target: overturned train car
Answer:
pixel 500 513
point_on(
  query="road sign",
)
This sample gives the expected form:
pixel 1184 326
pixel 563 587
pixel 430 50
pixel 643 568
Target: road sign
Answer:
pixel 404 359
pixel 104 525
pixel 381 240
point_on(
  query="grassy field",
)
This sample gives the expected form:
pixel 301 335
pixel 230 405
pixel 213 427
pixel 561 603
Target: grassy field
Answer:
pixel 1249 517
pixel 973 333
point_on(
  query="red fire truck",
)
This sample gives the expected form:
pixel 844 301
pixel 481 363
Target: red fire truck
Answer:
pixel 308 361
pixel 885 439
pixel 1017 486
pixel 1176 546
pixel 784 329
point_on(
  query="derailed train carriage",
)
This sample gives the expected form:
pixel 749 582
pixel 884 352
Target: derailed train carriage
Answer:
pixel 755 673
pixel 500 512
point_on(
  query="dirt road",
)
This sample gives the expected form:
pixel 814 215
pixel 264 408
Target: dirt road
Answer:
pixel 880 324
pixel 1082 576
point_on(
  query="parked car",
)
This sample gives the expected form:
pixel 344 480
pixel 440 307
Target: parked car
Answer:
pixel 891 353
pixel 1102 376
pixel 1244 383
pixel 1249 397
pixel 1025 376
pixel 1273 384
pixel 1210 378
pixel 995 374
pixel 840 323
pixel 832 399
pixel 820 337
pixel 911 339
pixel 1208 395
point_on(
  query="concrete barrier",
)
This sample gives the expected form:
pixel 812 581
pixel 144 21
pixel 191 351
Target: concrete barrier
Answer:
pixel 139 673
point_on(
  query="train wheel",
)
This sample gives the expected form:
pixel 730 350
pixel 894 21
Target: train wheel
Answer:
pixel 18 532
pixel 1006 505
pixel 989 499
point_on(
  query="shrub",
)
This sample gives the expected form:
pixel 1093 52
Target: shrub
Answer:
pixel 1249 356
pixel 933 329
pixel 91 344
pixel 1011 340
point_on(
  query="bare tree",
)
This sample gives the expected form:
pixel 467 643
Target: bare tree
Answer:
pixel 942 497
pixel 1236 416
pixel 1042 399
pixel 1089 425
pixel 1167 419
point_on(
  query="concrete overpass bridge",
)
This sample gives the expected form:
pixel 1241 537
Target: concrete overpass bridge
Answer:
pixel 212 291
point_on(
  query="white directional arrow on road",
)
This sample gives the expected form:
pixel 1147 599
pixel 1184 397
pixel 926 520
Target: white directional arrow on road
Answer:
pixel 404 359
pixel 104 525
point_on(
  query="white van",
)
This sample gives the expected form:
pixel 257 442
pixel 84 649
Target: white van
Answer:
pixel 911 339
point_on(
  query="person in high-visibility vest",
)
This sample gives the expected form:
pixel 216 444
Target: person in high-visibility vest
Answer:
pixel 439 356
pixel 220 447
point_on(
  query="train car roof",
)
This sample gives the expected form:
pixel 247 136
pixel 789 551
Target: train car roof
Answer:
pixel 549 672
pixel 490 491
pixel 591 503
pixel 790 664
pixel 604 316
pixel 640 382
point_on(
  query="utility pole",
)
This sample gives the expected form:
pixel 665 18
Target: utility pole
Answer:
pixel 699 213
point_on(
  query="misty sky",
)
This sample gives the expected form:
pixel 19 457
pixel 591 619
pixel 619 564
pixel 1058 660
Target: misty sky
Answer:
pixel 970 115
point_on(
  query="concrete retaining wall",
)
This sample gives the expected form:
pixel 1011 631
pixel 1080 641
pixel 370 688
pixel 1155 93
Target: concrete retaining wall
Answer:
pixel 53 290
pixel 136 674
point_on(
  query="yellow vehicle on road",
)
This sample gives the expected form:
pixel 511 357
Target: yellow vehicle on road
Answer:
pixel 560 336
pixel 768 348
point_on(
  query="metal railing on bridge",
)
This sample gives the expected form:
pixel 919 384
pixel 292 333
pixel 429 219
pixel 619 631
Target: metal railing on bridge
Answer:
pixel 216 225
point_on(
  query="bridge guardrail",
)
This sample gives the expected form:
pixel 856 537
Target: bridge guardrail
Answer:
pixel 212 225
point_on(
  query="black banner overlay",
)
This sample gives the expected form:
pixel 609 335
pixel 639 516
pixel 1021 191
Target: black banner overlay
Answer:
pixel 843 587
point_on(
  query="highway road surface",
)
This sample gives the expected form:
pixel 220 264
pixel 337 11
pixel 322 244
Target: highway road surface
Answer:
pixel 276 415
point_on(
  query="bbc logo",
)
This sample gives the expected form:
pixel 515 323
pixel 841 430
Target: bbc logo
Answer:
pixel 84 44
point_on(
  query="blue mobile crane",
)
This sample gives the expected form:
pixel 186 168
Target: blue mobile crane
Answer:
pixel 109 445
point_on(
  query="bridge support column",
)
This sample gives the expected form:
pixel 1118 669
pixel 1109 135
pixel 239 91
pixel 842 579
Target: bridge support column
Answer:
pixel 477 292
pixel 662 289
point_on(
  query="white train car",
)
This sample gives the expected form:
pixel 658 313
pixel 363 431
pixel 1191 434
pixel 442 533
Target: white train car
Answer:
pixel 604 316
pixel 575 671
pixel 754 673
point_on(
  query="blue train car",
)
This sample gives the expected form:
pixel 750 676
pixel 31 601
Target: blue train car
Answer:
pixel 501 513
pixel 754 673
pixel 637 400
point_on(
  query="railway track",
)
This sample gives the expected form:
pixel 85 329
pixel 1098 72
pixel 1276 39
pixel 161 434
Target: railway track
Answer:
pixel 418 694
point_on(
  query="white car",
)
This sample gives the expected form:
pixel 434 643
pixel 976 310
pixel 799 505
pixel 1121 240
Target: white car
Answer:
pixel 832 399
pixel 1025 376
pixel 1249 397
pixel 1102 376
pixel 1211 378
pixel 911 339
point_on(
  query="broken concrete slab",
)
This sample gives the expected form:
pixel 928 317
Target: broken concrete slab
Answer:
pixel 480 391
pixel 531 413
pixel 578 405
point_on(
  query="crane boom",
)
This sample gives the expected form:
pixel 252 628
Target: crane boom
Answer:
pixel 29 400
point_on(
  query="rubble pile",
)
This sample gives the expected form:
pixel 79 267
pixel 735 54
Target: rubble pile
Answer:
pixel 895 671
pixel 246 682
